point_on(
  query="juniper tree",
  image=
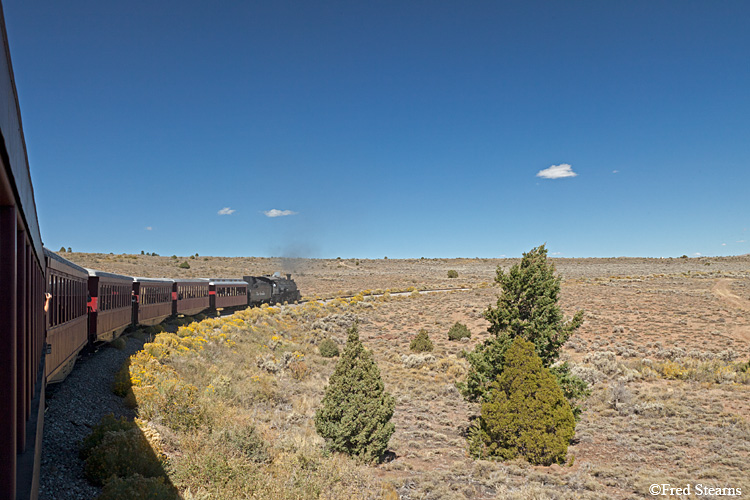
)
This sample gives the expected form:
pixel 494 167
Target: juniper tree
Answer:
pixel 458 331
pixel 525 413
pixel 421 342
pixel 354 416
pixel 528 308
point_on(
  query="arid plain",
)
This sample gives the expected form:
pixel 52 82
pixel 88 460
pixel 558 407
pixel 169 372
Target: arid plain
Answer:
pixel 661 345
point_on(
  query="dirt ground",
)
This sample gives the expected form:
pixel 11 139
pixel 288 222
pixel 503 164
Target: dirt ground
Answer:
pixel 633 306
pixel 328 276
pixel 637 311
pixel 668 431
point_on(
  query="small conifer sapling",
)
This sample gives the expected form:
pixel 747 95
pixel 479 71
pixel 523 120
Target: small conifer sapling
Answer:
pixel 354 416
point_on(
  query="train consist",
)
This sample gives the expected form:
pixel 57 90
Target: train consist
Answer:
pixel 89 306
pixel 86 306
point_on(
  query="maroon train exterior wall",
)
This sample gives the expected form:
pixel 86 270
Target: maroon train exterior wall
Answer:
pixel 67 319
pixel 228 293
pixel 190 297
pixel 22 287
pixel 153 301
pixel 110 305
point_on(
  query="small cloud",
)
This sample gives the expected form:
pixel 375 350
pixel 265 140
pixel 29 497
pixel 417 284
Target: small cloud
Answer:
pixel 556 253
pixel 226 211
pixel 723 244
pixel 697 254
pixel 740 241
pixel 615 171
pixel 557 172
pixel 149 228
pixel 278 213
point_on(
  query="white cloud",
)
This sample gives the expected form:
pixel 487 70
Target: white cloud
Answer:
pixel 723 244
pixel 149 228
pixel 557 172
pixel 556 253
pixel 615 171
pixel 697 254
pixel 226 211
pixel 740 241
pixel 278 213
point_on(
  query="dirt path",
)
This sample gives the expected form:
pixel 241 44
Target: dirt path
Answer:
pixel 722 291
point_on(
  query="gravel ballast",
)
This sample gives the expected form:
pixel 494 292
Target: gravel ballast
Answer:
pixel 73 407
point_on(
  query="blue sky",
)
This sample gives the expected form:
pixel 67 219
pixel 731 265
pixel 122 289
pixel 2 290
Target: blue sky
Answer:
pixel 399 129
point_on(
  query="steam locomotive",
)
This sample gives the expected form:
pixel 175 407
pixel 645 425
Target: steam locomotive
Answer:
pixel 90 306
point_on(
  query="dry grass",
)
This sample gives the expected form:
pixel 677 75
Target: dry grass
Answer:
pixel 662 350
pixel 333 277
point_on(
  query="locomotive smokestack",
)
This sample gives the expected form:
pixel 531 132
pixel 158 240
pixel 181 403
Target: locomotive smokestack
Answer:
pixel 288 276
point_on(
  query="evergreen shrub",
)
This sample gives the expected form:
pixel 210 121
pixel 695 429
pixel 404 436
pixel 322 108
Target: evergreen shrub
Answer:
pixel 354 416
pixel 422 342
pixel 526 413
pixel 458 331
pixel 527 308
pixel 453 273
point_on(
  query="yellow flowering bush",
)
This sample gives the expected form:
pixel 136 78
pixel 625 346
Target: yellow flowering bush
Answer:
pixel 672 370
pixel 199 387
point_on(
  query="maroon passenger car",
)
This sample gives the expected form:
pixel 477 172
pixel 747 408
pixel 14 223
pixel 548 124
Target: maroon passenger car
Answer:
pixel 153 300
pixel 67 321
pixel 190 296
pixel 110 307
pixel 227 293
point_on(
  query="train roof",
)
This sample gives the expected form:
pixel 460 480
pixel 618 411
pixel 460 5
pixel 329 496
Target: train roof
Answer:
pixel 52 255
pixel 249 278
pixel 152 280
pixel 227 281
pixel 191 280
pixel 103 274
